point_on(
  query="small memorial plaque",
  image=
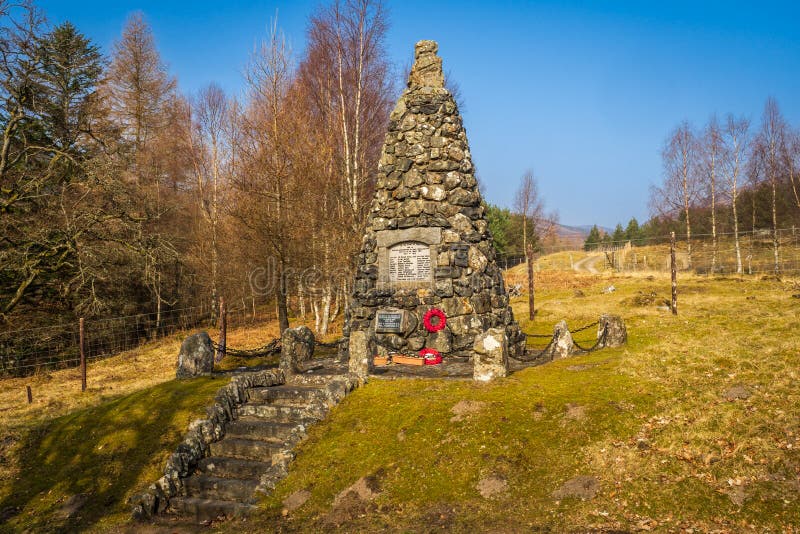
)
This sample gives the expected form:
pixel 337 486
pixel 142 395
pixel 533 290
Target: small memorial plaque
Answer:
pixel 410 262
pixel 389 321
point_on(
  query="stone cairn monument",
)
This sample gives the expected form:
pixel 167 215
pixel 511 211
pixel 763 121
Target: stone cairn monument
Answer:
pixel 427 276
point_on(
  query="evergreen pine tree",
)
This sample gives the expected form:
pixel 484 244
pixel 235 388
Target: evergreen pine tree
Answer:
pixel 618 237
pixel 593 239
pixel 71 69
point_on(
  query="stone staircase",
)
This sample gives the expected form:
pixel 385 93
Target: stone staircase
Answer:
pixel 271 421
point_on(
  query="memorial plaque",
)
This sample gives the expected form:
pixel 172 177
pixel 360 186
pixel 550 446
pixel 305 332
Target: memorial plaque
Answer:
pixel 389 321
pixel 410 262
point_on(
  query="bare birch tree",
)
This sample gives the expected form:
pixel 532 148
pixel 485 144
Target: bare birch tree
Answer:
pixel 347 71
pixel 790 155
pixel 710 149
pixel 209 150
pixel 679 191
pixel 264 188
pixel 529 204
pixel 771 143
pixel 735 147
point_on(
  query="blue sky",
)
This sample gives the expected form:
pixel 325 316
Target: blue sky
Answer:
pixel 583 93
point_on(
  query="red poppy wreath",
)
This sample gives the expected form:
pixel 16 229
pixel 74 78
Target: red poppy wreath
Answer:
pixel 431 356
pixel 434 320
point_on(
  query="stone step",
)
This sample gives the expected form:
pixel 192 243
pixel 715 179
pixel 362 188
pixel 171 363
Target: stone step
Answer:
pixel 278 413
pixel 200 510
pixel 226 467
pixel 286 395
pixel 247 449
pixel 221 489
pixel 249 427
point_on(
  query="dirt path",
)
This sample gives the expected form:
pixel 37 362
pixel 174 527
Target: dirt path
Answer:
pixel 588 263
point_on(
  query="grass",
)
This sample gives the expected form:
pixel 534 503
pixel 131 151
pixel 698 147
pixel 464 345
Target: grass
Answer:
pixel 110 441
pixel 649 421
pixel 107 451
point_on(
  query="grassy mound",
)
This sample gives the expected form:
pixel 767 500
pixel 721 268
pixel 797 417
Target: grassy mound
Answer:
pixel 692 425
pixel 98 455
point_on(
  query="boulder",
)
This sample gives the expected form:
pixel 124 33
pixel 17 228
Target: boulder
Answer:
pixel 196 356
pixel 297 347
pixel 562 343
pixel 441 340
pixel 362 350
pixel 616 333
pixel 491 355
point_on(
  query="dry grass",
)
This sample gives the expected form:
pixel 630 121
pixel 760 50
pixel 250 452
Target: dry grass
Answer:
pixel 109 441
pixel 692 425
pixel 656 428
pixel 56 393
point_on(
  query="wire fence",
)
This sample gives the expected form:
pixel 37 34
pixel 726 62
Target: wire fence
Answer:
pixel 754 254
pixel 27 351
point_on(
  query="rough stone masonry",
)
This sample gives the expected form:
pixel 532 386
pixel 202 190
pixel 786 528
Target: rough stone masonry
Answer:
pixel 427 244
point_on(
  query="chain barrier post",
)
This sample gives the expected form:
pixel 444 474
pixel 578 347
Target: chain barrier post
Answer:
pixel 81 341
pixel 674 273
pixel 223 329
pixel 531 294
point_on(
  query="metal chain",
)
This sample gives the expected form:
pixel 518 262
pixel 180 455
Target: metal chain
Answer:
pixel 581 329
pixel 331 345
pixel 531 355
pixel 594 347
pixel 269 349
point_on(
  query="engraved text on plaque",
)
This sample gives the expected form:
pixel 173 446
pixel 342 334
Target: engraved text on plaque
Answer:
pixel 410 262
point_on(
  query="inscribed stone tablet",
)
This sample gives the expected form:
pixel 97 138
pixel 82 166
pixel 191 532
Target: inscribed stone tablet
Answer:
pixel 410 262
pixel 389 321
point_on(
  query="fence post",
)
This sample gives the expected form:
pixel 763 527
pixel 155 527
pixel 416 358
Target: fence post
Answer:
pixel 30 394
pixel 83 356
pixel 531 297
pixel 223 329
pixel 674 272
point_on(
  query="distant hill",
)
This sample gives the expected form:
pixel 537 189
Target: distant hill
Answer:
pixel 575 235
pixel 585 228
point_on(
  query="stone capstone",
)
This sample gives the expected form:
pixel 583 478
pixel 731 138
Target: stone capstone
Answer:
pixel 491 355
pixel 297 347
pixel 196 356
pixel 427 69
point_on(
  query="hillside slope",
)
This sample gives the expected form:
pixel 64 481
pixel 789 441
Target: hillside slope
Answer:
pixel 693 424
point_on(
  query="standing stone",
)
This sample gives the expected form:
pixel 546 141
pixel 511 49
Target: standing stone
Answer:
pixel 616 333
pixel 491 355
pixel 562 342
pixel 427 243
pixel 362 351
pixel 196 356
pixel 297 347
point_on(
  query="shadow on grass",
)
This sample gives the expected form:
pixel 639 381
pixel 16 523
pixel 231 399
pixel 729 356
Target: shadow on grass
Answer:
pixel 100 455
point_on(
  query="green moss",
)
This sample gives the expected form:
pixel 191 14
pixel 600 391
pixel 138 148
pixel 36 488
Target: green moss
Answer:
pixel 405 430
pixel 107 451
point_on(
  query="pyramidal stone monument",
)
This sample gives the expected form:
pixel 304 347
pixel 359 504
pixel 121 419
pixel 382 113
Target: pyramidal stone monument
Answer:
pixel 427 276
